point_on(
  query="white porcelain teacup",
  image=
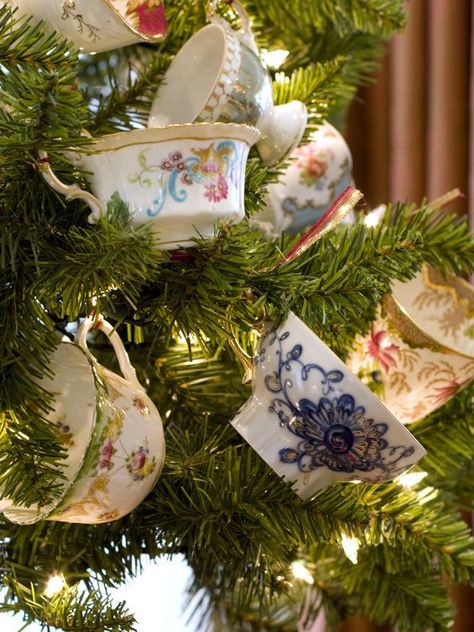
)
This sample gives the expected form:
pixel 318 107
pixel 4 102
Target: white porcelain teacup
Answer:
pixel 443 308
pixel 73 416
pixel 317 173
pixel 419 352
pixel 217 76
pixel 313 421
pixel 100 25
pixel 181 180
pixel 118 449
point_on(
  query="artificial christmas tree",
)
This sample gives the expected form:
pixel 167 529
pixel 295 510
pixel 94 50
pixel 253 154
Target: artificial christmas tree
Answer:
pixel 183 313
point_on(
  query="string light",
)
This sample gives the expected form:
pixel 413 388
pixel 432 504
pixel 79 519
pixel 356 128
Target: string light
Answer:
pixel 350 547
pixel 375 216
pixel 56 583
pixel 274 58
pixel 409 479
pixel 300 571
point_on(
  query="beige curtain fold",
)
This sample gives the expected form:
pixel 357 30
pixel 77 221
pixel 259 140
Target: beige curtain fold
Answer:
pixel 409 132
pixel 412 135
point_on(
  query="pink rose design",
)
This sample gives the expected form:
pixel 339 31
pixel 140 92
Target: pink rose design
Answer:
pixel 151 19
pixel 106 453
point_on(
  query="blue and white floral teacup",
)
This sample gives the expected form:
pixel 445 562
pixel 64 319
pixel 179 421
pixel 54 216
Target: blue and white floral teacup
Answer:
pixel 182 180
pixel 313 421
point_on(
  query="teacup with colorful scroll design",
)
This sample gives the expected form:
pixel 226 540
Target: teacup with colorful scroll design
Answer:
pixel 181 180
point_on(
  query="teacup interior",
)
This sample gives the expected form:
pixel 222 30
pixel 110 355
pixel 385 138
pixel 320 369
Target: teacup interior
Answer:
pixel 190 79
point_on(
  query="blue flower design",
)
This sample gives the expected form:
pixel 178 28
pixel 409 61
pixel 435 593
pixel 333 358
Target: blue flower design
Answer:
pixel 336 433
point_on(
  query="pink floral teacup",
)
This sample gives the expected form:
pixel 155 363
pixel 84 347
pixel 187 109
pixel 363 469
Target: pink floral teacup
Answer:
pixel 126 454
pixel 317 173
pixel 410 371
pixel 100 25
pixel 115 456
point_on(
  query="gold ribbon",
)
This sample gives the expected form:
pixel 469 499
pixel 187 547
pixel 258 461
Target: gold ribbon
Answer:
pixel 331 218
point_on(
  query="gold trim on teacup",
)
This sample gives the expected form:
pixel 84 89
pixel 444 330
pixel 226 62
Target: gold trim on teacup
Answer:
pixel 400 322
pixel 156 135
pixel 159 37
pixel 461 291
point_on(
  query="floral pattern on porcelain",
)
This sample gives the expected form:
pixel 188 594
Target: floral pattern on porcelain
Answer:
pixel 148 16
pixel 318 172
pixel 69 11
pixel 335 430
pixel 209 167
pixel 411 381
pixel 110 453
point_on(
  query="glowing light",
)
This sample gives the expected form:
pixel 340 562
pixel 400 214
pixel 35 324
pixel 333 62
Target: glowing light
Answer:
pixel 300 571
pixel 274 58
pixel 350 547
pixel 55 585
pixel 191 339
pixel 409 479
pixel 375 216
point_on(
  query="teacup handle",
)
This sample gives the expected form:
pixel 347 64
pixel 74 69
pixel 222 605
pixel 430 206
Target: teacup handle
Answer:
pixel 245 33
pixel 241 354
pixel 122 356
pixel 70 191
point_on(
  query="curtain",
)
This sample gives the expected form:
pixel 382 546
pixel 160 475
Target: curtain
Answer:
pixel 412 136
pixel 409 131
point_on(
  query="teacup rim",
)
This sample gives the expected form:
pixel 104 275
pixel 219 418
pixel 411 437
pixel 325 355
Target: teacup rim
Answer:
pixel 410 330
pixel 178 131
pixel 410 326
pixel 143 37
pixel 213 26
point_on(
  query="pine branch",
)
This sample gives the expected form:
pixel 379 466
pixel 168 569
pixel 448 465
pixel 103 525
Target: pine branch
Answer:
pixel 69 610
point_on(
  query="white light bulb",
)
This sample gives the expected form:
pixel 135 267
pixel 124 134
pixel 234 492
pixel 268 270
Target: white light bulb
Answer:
pixel 274 58
pixel 350 547
pixel 375 216
pixel 300 571
pixel 56 583
pixel 409 479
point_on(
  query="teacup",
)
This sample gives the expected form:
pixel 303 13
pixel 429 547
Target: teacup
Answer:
pixel 318 172
pixel 217 76
pixel 313 421
pixel 125 454
pixel 410 371
pixel 443 308
pixel 100 25
pixel 73 416
pixel 181 179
